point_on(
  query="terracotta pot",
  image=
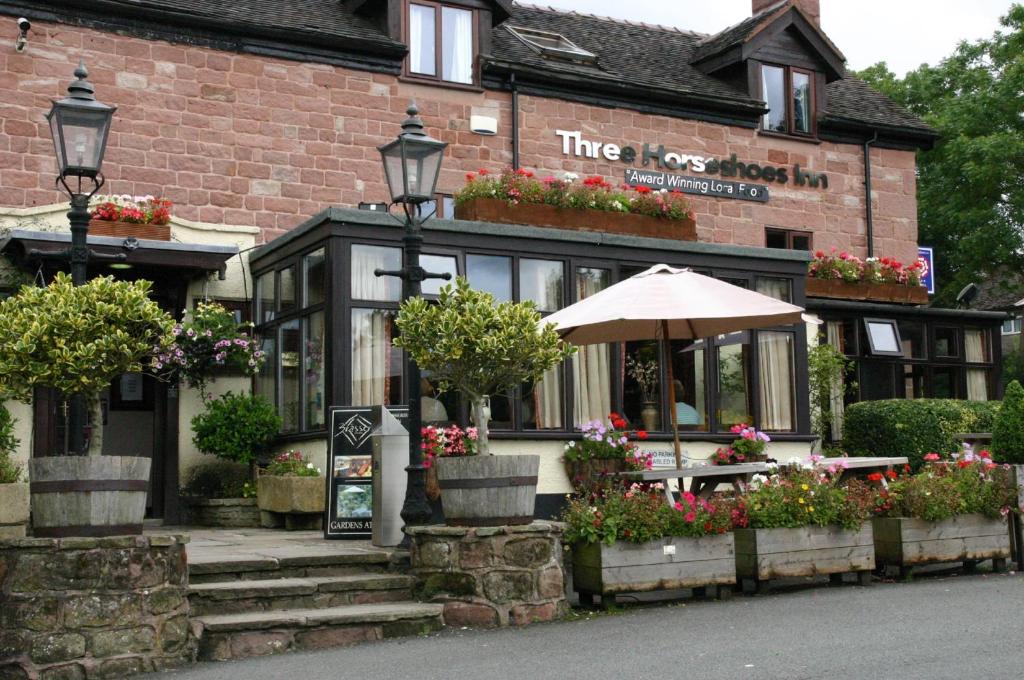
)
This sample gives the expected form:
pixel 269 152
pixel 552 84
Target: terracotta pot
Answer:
pixel 880 292
pixel 539 215
pixel 151 232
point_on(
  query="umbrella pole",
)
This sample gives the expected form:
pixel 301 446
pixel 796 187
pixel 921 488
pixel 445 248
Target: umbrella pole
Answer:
pixel 671 393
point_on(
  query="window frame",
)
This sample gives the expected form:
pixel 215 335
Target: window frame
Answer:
pixel 789 234
pixel 438 77
pixel 787 80
pixel 891 323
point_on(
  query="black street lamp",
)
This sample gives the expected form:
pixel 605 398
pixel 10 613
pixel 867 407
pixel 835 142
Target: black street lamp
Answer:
pixel 80 126
pixel 412 164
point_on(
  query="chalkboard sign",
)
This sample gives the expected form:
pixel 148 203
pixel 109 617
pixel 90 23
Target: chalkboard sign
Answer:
pixel 349 513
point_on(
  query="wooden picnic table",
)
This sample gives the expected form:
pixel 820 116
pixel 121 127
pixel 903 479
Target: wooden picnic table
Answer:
pixel 705 478
pixel 973 438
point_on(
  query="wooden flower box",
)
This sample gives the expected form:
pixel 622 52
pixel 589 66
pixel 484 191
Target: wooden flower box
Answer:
pixel 879 292
pixel 665 564
pixel 151 232
pixel 765 554
pixel 902 543
pixel 539 215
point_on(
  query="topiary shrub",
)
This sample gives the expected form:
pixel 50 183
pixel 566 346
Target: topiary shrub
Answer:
pixel 1008 433
pixel 236 427
pixel 912 427
pixel 9 472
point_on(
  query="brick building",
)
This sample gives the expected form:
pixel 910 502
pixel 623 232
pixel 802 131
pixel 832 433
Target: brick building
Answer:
pixel 260 120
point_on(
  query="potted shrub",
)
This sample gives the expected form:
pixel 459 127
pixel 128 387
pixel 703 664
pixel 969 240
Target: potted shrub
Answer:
pixel 291 493
pixel 800 522
pixel 131 216
pixel 77 339
pixel 220 493
pixel 470 344
pixel 953 510
pixel 13 491
pixel 628 539
pixel 748 447
pixel 237 427
pixel 602 452
pixel 517 197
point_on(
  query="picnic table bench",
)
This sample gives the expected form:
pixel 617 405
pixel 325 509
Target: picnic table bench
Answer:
pixel 973 438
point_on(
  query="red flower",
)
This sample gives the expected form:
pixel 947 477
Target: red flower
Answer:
pixel 641 434
pixel 482 171
pixel 875 477
pixel 891 474
pixel 985 454
pixel 643 190
pixel 962 463
pixel 470 177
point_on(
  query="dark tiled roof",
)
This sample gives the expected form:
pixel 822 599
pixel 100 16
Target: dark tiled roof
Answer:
pixel 854 101
pixel 736 34
pixel 1001 291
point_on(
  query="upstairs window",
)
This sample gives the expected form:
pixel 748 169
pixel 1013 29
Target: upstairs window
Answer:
pixel 787 239
pixel 788 93
pixel 442 44
pixel 552 44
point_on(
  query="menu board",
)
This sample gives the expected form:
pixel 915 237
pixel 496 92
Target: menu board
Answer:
pixel 349 513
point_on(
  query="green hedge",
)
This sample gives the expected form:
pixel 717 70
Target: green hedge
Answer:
pixel 1008 433
pixel 913 427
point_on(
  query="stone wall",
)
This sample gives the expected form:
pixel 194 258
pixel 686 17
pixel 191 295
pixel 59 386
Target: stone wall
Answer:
pixel 77 608
pixel 247 140
pixel 491 576
pixel 222 512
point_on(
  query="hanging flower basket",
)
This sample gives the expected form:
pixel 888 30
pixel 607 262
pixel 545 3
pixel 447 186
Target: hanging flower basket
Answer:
pixel 879 292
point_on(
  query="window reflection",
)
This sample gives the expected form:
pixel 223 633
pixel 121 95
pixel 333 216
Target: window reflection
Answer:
pixel 491 274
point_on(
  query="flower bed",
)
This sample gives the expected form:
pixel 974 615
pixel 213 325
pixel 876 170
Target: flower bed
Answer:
pixel 516 197
pixel 604 451
pixel 841 275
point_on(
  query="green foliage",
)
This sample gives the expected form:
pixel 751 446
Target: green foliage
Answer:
pixel 236 427
pixel 77 339
pixel 1013 367
pixel 218 479
pixel 799 497
pixel 944 489
pixel 971 184
pixel 913 427
pixel 9 472
pixel 826 367
pixel 1008 433
pixel 470 344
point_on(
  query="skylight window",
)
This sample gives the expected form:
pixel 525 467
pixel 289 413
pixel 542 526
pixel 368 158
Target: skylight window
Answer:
pixel 551 44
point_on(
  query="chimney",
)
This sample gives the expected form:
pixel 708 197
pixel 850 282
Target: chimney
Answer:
pixel 812 8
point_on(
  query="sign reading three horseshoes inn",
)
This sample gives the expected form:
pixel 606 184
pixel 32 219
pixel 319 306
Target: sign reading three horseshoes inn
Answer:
pixel 743 187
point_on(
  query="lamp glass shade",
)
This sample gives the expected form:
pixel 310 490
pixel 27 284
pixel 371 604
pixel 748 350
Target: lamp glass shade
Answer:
pixel 412 165
pixel 79 129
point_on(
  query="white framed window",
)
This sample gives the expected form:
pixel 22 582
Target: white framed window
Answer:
pixel 442 42
pixel 1011 326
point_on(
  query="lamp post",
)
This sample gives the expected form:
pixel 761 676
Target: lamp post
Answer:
pixel 79 125
pixel 412 164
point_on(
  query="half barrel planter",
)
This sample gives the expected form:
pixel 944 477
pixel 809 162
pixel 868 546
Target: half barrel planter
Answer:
pixel 902 543
pixel 766 554
pixel 541 215
pixel 151 232
pixel 88 495
pixel 295 503
pixel 484 491
pixel 14 505
pixel 669 563
pixel 878 292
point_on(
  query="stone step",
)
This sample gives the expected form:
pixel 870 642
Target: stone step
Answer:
pixel 212 566
pixel 311 592
pixel 233 636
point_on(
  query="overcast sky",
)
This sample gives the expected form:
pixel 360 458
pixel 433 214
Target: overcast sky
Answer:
pixel 903 33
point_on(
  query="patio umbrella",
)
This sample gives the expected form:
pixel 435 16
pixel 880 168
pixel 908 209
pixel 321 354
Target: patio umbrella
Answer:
pixel 668 303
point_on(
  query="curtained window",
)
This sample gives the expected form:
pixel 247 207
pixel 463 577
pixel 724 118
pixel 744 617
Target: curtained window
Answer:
pixel 691 389
pixel 368 286
pixel 976 352
pixel 314 376
pixel 291 375
pixel 543 282
pixel 834 331
pixel 780 289
pixel 776 377
pixel 591 365
pixel 732 354
pixel 441 38
pixel 376 366
pixel 457 45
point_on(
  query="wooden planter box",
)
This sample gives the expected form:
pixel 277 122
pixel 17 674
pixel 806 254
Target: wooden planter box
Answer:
pixel 880 292
pixel 904 542
pixel 152 232
pixel 539 215
pixel 605 570
pixel 294 503
pixel 764 554
pixel 485 491
pixel 13 509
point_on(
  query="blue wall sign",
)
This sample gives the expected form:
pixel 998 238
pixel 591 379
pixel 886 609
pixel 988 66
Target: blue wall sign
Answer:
pixel 926 257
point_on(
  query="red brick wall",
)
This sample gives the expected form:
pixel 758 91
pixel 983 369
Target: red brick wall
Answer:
pixel 239 139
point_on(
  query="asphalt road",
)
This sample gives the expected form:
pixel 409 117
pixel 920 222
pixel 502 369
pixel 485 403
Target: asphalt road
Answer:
pixel 963 627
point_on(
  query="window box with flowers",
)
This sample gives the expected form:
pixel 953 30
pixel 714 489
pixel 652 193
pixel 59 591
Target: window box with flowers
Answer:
pixel 953 510
pixel 124 216
pixel 291 493
pixel 517 197
pixel 798 521
pixel 603 451
pixel 628 540
pixel 845 276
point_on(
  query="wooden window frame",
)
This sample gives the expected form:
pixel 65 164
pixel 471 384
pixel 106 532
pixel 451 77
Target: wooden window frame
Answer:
pixel 437 78
pixel 789 234
pixel 787 80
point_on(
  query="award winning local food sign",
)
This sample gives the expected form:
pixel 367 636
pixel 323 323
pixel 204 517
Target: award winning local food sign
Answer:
pixel 736 174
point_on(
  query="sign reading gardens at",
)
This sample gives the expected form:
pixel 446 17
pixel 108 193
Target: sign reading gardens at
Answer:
pixel 738 174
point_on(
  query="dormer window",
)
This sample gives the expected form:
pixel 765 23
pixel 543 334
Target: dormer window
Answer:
pixel 442 42
pixel 788 92
pixel 553 45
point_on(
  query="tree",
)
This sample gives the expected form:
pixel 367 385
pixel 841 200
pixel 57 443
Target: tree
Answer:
pixel 971 184
pixel 470 344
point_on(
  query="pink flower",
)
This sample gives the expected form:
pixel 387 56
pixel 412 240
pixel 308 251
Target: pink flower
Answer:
pixel 931 457
pixel 690 516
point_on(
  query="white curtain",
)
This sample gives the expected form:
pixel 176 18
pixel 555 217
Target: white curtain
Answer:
pixel 776 374
pixel 974 352
pixel 772 287
pixel 421 40
pixel 457 45
pixel 591 365
pixel 368 286
pixel 547 400
pixel 371 356
pixel 834 335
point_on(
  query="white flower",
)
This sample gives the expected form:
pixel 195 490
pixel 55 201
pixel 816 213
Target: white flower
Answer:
pixel 771 467
pixel 571 177
pixel 309 465
pixel 572 444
